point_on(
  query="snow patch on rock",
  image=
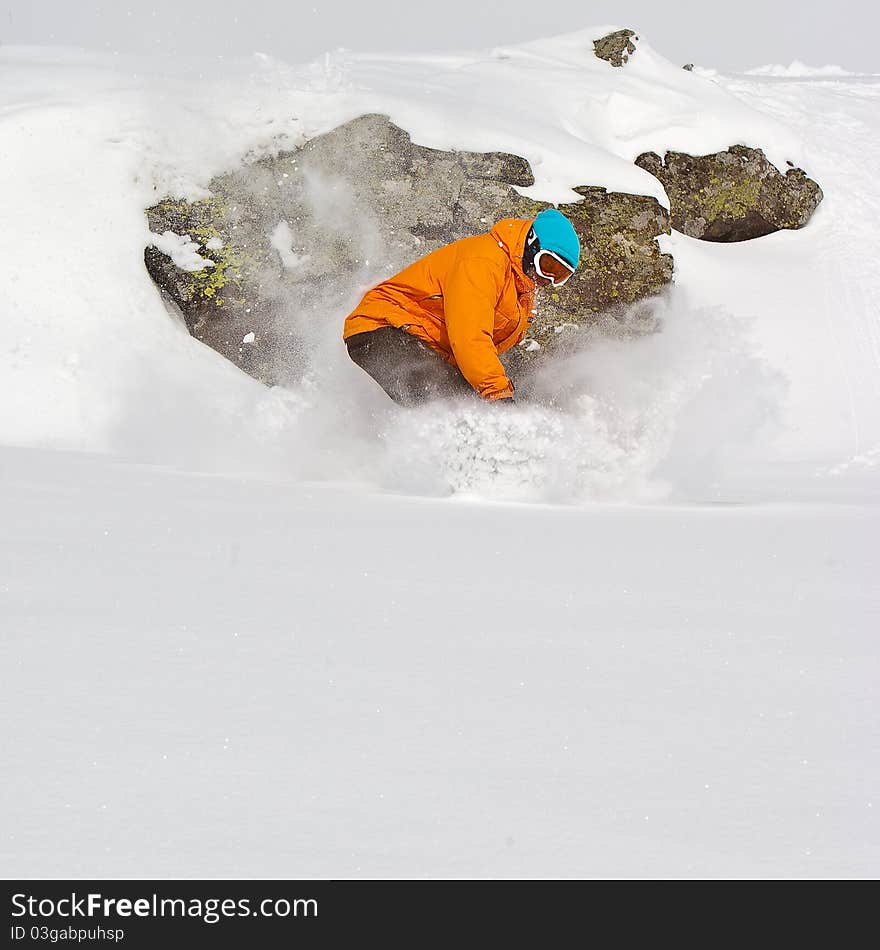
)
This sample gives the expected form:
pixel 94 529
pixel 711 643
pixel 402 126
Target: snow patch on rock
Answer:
pixel 183 250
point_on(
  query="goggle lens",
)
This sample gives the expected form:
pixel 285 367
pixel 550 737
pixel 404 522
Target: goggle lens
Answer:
pixel 552 267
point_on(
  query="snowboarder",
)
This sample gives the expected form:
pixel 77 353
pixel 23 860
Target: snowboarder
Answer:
pixel 436 328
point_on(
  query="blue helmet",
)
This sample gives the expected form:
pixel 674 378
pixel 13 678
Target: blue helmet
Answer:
pixel 555 233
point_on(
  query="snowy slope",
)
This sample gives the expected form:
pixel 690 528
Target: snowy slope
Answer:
pixel 88 349
pixel 247 632
pixel 226 677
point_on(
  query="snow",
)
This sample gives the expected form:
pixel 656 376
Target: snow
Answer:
pixel 626 629
pixel 796 69
pixel 182 250
pixel 229 677
pixel 281 239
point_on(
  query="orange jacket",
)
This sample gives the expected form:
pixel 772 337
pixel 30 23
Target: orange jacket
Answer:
pixel 469 301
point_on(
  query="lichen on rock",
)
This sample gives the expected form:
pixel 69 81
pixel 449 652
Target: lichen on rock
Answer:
pixel 734 195
pixel 621 261
pixel 616 48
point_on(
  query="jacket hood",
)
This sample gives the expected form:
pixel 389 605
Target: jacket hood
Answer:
pixel 511 235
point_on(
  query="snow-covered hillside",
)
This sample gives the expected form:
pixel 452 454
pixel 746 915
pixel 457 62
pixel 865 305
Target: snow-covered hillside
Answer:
pixel 304 632
pixel 779 332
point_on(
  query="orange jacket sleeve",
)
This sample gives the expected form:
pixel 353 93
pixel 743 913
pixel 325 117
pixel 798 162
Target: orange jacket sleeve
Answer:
pixel 470 295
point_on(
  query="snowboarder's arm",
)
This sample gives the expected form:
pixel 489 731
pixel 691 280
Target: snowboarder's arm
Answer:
pixel 470 296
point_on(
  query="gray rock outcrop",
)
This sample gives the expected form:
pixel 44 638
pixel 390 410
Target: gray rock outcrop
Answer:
pixel 733 195
pixel 616 48
pixel 621 261
pixel 287 243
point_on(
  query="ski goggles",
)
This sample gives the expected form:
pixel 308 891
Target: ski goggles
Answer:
pixel 552 267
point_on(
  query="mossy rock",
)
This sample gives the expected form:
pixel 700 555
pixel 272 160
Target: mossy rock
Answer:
pixel 617 47
pixel 294 239
pixel 621 261
pixel 735 195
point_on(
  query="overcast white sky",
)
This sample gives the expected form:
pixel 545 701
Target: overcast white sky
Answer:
pixel 706 32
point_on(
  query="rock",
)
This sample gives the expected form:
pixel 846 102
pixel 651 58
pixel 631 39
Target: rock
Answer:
pixel 688 67
pixel 294 240
pixel 496 166
pixel 616 48
pixel 733 195
pixel 621 261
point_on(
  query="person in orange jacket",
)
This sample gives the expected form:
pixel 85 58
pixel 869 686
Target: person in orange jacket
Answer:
pixel 436 328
